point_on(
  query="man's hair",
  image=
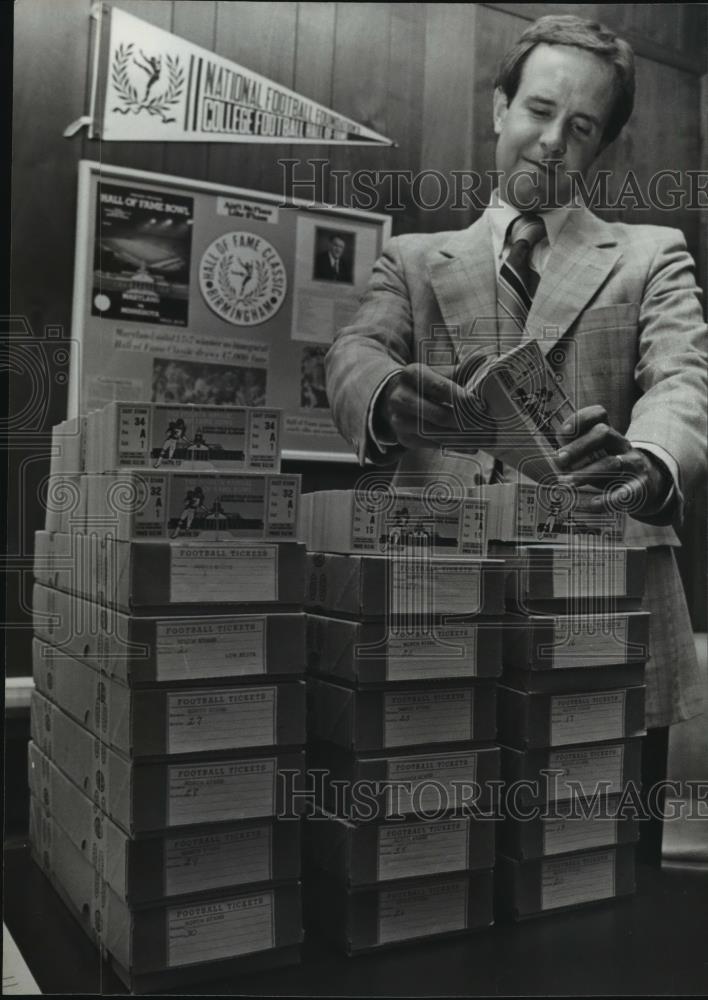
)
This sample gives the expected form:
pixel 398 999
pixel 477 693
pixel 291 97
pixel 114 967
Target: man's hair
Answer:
pixel 567 29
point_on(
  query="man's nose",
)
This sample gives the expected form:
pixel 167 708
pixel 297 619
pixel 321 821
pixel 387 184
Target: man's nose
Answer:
pixel 553 139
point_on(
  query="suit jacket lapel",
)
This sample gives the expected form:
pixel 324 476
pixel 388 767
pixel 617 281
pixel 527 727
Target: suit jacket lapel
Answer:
pixel 580 261
pixel 463 276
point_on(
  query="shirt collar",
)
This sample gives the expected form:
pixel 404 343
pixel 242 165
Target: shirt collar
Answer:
pixel 501 215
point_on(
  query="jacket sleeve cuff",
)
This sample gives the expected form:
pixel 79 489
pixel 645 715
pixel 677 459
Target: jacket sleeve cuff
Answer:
pixel 671 510
pixel 382 444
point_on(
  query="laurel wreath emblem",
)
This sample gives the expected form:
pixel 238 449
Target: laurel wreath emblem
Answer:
pixel 229 290
pixel 158 105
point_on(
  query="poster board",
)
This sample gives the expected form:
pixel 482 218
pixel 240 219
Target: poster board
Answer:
pixel 192 292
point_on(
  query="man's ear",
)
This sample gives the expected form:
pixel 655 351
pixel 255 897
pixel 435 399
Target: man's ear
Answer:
pixel 501 105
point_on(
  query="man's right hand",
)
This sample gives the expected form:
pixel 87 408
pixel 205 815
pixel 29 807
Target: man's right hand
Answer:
pixel 423 407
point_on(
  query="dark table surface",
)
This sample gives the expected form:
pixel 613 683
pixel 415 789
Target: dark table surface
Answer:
pixel 653 943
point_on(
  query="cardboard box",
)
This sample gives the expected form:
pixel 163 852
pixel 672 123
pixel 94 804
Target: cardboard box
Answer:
pixel 179 436
pixel 191 941
pixel 181 576
pixel 68 561
pixel 146 797
pixel 532 888
pixel 150 869
pixel 584 576
pixel 171 650
pixel 211 506
pixel 360 920
pixel 368 853
pixel 365 653
pixel 570 681
pixel 64 501
pixel 528 513
pixel 529 720
pixel 58 558
pixel 566 830
pixel 405 717
pixel 68 446
pixel 157 722
pixel 361 521
pixel 551 775
pixel 430 784
pixel 402 586
pixel 559 642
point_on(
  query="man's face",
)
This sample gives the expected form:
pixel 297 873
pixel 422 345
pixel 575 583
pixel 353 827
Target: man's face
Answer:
pixel 558 113
pixel 336 247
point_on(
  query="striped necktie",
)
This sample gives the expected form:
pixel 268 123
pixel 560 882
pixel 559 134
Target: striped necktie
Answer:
pixel 517 282
pixel 516 287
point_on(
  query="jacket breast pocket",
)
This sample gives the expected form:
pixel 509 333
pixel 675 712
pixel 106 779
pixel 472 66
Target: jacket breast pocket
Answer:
pixel 618 316
pixel 606 342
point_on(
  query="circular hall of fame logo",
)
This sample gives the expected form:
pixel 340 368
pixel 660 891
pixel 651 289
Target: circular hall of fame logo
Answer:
pixel 242 278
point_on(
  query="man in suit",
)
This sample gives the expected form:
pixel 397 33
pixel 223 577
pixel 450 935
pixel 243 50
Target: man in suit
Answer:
pixel 331 264
pixel 615 307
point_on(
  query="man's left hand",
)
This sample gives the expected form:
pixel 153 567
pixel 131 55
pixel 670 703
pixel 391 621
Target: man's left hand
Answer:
pixel 631 480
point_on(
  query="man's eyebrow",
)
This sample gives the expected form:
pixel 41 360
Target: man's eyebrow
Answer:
pixel 541 100
pixel 551 104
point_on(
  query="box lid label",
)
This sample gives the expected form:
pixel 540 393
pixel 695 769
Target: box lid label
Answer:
pixel 582 640
pixel 220 929
pixel 588 771
pixel 590 570
pixel 200 573
pixel 569 881
pixel 587 718
pixel 221 718
pixel 428 784
pixel 214 860
pixel 206 793
pixel 422 911
pixel 420 717
pixel 578 833
pixel 448 651
pixel 422 849
pixel 203 648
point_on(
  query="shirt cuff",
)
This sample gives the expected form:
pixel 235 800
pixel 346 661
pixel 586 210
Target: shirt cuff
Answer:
pixel 381 444
pixel 671 466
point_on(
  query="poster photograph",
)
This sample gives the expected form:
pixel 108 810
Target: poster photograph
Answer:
pixel 313 392
pixel 142 255
pixel 178 381
pixel 334 255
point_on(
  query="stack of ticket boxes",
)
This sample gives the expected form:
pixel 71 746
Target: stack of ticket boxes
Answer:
pixel 169 661
pixel 570 702
pixel 404 649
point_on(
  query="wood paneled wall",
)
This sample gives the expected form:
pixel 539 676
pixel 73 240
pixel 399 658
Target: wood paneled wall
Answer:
pixel 419 73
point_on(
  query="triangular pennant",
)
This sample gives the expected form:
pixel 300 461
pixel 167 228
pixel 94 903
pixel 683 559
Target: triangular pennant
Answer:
pixel 161 88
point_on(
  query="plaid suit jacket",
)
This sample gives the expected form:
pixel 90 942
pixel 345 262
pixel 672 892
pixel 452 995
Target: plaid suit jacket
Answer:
pixel 617 311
